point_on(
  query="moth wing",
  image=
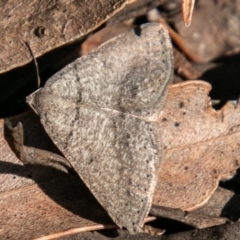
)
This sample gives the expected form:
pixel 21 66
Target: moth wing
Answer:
pixel 115 154
pixel 128 73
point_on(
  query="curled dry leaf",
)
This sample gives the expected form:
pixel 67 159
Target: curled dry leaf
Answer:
pixel 8 156
pixel 31 155
pixel 201 146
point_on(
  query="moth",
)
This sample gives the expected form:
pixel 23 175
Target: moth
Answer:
pixel 101 112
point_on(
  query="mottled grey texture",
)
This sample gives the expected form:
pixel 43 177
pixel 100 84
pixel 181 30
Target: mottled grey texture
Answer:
pixel 100 111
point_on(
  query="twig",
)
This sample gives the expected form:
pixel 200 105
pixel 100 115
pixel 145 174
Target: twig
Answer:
pixel 35 63
pixel 177 39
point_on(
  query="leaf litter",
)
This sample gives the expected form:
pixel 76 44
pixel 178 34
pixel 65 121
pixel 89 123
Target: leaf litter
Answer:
pixel 205 216
pixel 222 204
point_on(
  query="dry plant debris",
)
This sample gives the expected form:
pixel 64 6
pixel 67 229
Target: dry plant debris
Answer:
pixel 61 192
pixel 216 15
pixel 44 198
pixel 187 9
pixel 46 25
pixel 201 146
pixel 29 29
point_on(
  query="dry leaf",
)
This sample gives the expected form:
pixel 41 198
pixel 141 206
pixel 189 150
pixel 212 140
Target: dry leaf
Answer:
pixel 31 28
pixel 135 9
pixel 222 205
pixel 201 146
pixel 227 231
pixel 46 25
pixel 102 36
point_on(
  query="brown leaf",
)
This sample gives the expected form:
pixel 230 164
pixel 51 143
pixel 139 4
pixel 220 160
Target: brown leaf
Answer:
pixel 222 205
pixel 46 25
pixel 135 9
pixel 227 231
pixel 102 36
pixel 201 146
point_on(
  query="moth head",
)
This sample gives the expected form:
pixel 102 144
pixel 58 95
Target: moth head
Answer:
pixel 33 100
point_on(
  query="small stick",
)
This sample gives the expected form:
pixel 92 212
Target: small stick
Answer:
pixel 35 63
pixel 95 227
pixel 177 39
